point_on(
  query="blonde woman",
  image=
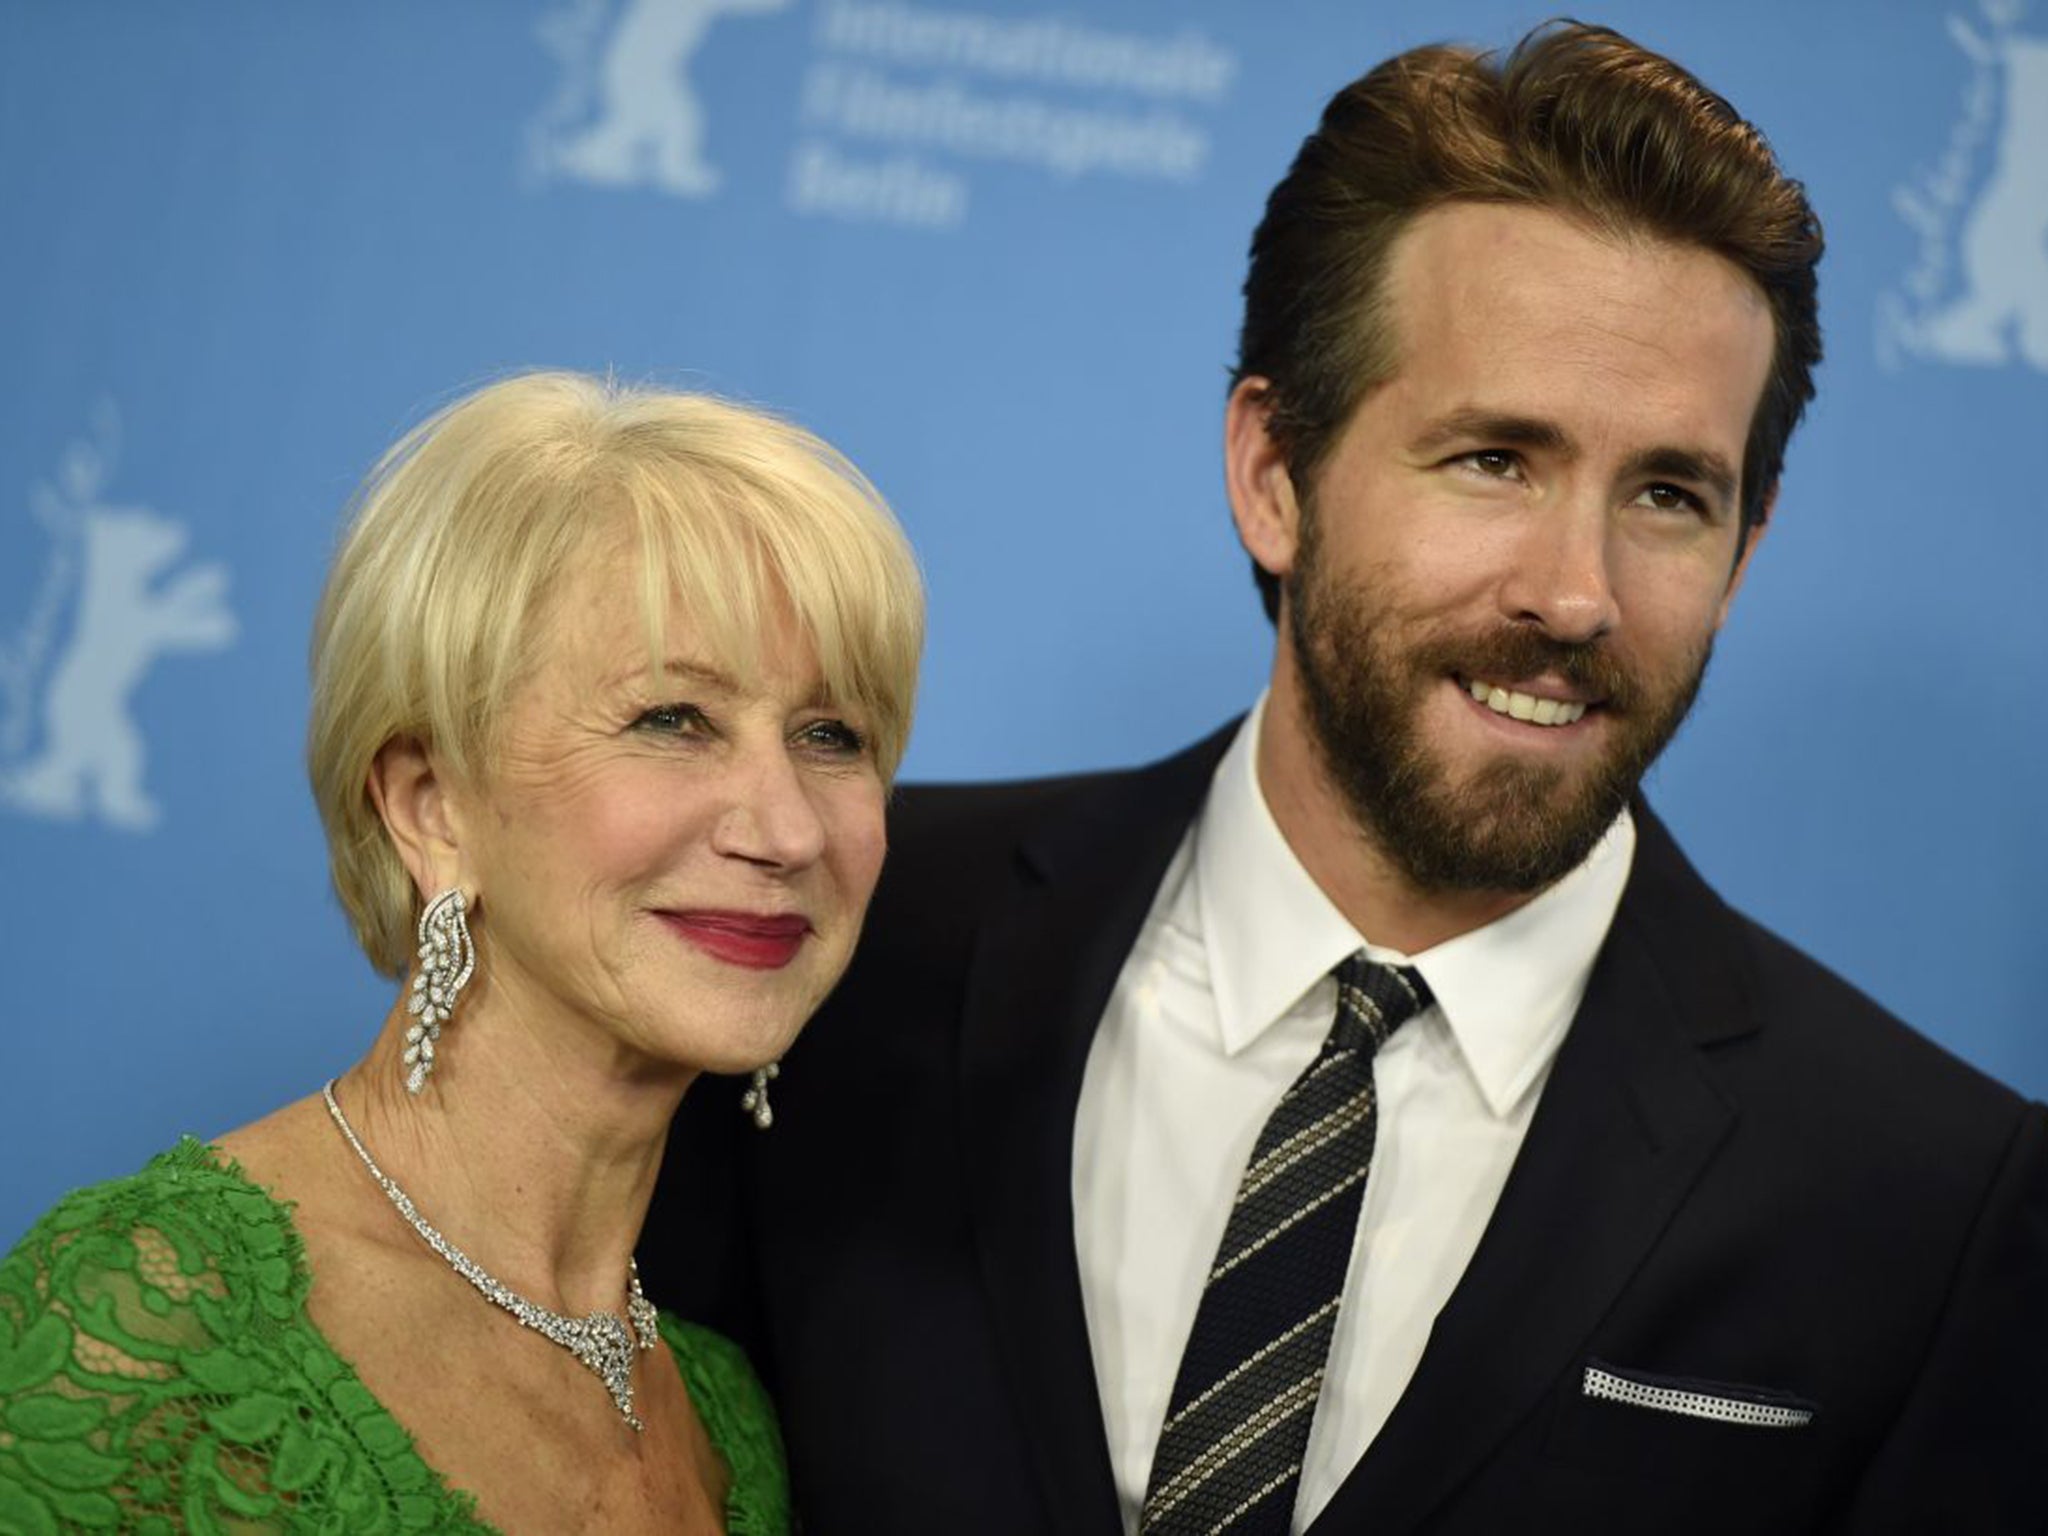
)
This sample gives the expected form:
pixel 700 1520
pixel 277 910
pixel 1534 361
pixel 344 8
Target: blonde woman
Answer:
pixel 609 685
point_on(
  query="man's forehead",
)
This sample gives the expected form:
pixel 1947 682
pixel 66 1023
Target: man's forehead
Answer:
pixel 1524 311
pixel 1469 246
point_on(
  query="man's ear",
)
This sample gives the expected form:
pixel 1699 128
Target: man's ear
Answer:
pixel 1262 499
pixel 1752 536
pixel 410 792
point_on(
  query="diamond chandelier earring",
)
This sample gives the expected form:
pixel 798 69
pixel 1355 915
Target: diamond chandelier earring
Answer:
pixel 447 960
pixel 755 1100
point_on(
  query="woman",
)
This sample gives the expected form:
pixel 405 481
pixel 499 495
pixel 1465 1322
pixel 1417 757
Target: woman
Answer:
pixel 608 688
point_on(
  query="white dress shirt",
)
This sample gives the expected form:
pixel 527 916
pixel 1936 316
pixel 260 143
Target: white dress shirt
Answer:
pixel 1224 999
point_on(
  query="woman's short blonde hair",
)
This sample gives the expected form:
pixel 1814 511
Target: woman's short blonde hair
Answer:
pixel 432 609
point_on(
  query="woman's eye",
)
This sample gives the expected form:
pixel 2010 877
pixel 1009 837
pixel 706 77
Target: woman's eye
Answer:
pixel 671 719
pixel 834 736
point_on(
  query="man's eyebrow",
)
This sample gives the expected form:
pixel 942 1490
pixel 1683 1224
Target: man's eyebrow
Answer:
pixel 1701 466
pixel 1493 427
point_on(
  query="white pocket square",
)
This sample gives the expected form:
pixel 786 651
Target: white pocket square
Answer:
pixel 1715 1400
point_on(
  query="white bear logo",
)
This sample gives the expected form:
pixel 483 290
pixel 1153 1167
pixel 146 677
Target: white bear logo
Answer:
pixel 626 114
pixel 1979 294
pixel 92 755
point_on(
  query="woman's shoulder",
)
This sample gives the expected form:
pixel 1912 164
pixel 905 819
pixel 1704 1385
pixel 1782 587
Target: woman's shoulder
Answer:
pixel 741 1422
pixel 186 1217
pixel 156 1359
pixel 113 1385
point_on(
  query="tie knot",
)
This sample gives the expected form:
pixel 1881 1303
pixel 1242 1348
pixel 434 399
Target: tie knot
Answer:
pixel 1374 1000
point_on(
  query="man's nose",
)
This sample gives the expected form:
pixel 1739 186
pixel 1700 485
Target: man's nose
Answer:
pixel 1562 579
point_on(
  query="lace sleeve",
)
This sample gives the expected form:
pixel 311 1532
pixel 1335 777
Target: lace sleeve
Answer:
pixel 158 1374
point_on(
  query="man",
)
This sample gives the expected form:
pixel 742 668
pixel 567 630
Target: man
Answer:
pixel 1622 1215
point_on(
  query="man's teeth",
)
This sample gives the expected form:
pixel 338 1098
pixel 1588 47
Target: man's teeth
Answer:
pixel 1525 706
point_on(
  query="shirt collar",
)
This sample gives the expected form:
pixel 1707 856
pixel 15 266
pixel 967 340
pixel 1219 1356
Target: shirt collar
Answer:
pixel 1507 991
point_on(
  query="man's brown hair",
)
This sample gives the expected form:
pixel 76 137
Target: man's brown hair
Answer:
pixel 1577 119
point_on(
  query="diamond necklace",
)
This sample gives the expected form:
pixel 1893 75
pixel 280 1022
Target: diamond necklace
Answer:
pixel 600 1340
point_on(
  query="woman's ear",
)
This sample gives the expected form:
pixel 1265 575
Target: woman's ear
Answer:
pixel 410 791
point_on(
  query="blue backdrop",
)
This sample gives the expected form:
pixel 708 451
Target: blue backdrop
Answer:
pixel 992 249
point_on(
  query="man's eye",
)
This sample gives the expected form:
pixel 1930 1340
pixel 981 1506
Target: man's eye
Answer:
pixel 1496 463
pixel 671 720
pixel 1673 498
pixel 834 736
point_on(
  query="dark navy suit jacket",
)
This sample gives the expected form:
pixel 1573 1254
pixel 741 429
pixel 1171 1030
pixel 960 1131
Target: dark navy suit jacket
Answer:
pixel 1742 1175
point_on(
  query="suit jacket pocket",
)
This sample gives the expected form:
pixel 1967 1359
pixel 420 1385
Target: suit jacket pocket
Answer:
pixel 1658 1427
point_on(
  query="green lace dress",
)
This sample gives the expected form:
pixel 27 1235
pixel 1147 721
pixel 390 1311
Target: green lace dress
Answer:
pixel 158 1373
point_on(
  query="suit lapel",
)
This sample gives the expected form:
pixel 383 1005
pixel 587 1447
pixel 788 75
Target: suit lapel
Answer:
pixel 1628 1122
pixel 1045 964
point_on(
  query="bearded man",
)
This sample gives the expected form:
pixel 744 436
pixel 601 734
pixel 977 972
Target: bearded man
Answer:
pixel 1367 1119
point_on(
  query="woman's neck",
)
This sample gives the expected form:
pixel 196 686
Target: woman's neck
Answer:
pixel 534 1146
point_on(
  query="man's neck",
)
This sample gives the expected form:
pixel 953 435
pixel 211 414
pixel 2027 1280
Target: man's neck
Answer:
pixel 1342 857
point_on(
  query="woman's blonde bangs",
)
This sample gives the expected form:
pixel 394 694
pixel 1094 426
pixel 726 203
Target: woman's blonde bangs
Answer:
pixel 798 532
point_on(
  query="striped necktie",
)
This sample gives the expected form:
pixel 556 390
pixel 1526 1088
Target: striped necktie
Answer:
pixel 1229 1457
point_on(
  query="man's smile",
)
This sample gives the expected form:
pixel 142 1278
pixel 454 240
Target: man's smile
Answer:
pixel 1536 709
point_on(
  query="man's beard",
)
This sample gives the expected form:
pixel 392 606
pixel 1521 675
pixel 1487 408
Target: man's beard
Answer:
pixel 1513 825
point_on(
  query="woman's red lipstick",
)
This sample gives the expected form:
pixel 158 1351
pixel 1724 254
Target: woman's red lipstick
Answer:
pixel 760 941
